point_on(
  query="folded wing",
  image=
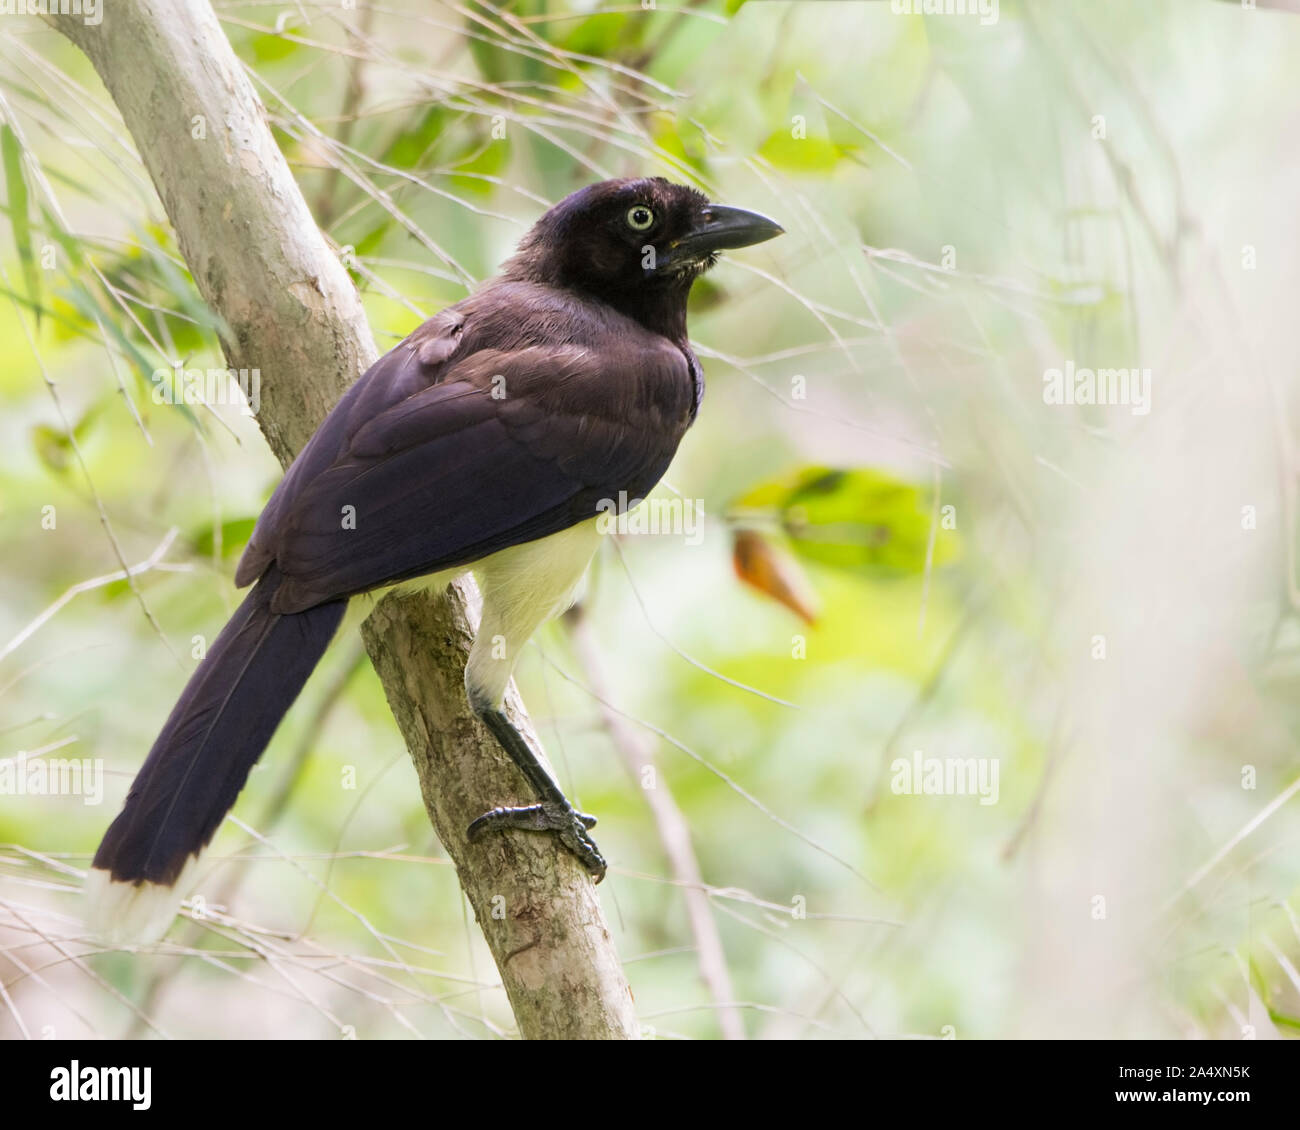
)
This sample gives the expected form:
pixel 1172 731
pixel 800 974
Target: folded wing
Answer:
pixel 435 459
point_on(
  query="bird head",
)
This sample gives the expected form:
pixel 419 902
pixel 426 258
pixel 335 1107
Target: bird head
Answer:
pixel 636 242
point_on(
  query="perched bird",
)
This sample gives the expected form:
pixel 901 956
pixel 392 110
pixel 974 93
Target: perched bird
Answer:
pixel 489 439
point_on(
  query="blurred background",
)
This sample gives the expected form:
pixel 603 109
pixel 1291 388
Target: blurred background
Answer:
pixel 969 710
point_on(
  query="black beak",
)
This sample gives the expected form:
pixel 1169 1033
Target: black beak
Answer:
pixel 723 228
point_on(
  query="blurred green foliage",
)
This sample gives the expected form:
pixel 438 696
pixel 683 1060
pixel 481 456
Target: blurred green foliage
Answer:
pixel 951 224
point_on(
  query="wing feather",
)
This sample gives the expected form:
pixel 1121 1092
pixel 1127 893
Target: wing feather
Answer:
pixel 452 447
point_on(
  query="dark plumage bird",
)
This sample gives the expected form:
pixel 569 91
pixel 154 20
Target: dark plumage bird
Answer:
pixel 489 439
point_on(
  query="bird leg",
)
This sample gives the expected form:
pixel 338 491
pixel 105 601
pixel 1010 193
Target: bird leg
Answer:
pixel 553 813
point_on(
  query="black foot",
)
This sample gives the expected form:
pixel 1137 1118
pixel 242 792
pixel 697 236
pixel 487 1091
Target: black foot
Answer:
pixel 562 819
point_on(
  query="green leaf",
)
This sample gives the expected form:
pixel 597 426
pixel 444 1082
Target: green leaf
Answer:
pixel 498 60
pixel 86 305
pixel 411 147
pixel 53 447
pixel 854 519
pixel 19 221
pixel 486 158
pixel 234 536
pixel 597 35
pixel 271 48
pixel 802 154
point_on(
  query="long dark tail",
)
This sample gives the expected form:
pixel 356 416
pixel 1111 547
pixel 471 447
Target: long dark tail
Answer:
pixel 216 732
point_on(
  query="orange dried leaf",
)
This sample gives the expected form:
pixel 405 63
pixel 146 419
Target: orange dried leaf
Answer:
pixel 773 572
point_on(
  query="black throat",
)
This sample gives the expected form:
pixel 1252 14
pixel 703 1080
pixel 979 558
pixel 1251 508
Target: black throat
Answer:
pixel 659 304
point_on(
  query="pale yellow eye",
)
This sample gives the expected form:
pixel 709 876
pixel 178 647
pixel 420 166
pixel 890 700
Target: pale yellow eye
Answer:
pixel 640 218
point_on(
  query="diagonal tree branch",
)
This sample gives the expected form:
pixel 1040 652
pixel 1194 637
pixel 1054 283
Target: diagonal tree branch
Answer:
pixel 291 311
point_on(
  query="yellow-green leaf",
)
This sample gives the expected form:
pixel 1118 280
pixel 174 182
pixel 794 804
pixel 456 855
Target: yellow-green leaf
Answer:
pixel 854 519
pixel 19 221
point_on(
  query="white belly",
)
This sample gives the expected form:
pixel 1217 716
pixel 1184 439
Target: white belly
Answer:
pixel 523 587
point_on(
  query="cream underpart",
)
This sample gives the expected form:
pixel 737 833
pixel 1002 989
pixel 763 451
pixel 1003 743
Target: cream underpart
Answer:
pixel 523 587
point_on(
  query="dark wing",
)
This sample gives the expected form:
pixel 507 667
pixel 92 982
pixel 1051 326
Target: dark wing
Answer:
pixel 433 465
pixel 411 366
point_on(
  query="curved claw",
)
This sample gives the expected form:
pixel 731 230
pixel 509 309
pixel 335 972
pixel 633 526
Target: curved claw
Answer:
pixel 569 826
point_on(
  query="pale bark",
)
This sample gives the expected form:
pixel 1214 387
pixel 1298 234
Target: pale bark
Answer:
pixel 291 311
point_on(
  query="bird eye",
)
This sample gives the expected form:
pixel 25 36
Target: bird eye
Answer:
pixel 640 218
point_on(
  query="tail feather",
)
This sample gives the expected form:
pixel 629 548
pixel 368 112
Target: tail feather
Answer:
pixel 129 914
pixel 216 732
